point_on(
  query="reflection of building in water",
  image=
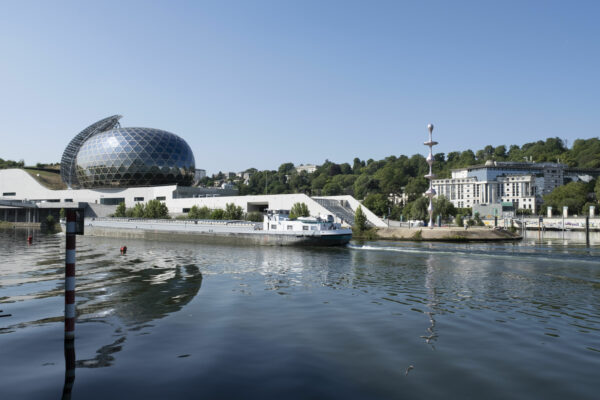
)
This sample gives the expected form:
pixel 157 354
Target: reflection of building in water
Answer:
pixel 141 295
pixel 136 297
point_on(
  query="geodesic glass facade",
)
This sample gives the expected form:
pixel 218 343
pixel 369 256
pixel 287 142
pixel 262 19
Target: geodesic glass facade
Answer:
pixel 126 157
pixel 68 169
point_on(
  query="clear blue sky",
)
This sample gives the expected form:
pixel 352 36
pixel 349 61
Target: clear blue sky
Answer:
pixel 259 83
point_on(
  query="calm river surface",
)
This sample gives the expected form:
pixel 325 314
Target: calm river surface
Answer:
pixel 375 320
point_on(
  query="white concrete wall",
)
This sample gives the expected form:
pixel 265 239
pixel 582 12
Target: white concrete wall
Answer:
pixel 26 187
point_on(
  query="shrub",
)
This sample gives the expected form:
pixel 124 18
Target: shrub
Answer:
pixel 120 211
pixel 254 216
pixel 299 210
pixel 418 235
pixel 233 212
pixel 217 213
pixel 50 224
pixel 156 209
pixel 139 211
pixel 360 220
pixel 199 212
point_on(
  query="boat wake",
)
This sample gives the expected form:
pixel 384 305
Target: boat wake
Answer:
pixel 538 254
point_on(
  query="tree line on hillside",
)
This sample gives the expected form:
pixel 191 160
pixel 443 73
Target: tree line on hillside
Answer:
pixel 373 181
pixel 6 164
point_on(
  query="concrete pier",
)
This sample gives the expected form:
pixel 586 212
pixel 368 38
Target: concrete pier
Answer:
pixel 448 234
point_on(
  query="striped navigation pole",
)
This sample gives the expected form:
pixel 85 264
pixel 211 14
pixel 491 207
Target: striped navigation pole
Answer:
pixel 71 215
pixel 431 191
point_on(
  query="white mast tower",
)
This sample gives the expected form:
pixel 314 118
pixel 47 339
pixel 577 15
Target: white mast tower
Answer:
pixel 430 192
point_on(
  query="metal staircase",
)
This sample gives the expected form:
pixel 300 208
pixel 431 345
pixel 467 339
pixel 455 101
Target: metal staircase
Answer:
pixel 339 209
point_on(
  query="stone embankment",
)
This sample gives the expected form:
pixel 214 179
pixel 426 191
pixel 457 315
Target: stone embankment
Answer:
pixel 447 234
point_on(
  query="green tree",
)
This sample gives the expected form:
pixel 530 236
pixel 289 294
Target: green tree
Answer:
pixel 299 210
pixel 360 220
pixel 62 213
pixel 459 220
pixel 417 209
pixel 363 185
pixel 597 190
pixel 50 223
pixel 138 211
pixel 332 189
pixel 286 169
pixel 416 187
pixel 156 209
pixel 199 212
pixel 444 207
pixel 217 213
pixel 573 195
pixel 120 211
pixel 378 203
pixel 233 212
pixel 204 212
pixel 254 216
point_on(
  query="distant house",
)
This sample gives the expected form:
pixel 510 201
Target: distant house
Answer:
pixel 309 168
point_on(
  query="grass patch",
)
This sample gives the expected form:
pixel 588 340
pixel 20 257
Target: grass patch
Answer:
pixel 456 238
pixel 50 180
pixel 417 236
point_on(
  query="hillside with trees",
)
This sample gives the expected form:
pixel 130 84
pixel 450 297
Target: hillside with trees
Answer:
pixel 373 180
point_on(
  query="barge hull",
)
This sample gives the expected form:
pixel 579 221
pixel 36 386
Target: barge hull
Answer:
pixel 219 237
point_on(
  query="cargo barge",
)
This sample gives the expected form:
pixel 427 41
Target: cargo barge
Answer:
pixel 277 229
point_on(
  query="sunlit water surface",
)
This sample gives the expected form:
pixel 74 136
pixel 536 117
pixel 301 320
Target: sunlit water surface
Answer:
pixel 375 320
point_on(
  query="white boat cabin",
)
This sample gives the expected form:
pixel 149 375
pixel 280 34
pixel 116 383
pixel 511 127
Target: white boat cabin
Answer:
pixel 279 221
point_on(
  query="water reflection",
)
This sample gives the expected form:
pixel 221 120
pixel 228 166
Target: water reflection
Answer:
pixel 492 312
pixel 70 361
pixel 432 303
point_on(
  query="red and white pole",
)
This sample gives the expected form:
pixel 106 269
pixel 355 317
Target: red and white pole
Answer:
pixel 70 275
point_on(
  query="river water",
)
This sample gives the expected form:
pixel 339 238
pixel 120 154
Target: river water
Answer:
pixel 374 320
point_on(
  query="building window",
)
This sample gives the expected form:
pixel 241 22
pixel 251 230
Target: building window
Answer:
pixel 185 210
pixel 112 201
pixel 9 194
pixel 273 226
pixel 138 199
pixel 161 198
pixel 68 200
pixel 290 227
pixel 305 228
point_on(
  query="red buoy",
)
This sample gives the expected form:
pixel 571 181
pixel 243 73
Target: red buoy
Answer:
pixel 30 239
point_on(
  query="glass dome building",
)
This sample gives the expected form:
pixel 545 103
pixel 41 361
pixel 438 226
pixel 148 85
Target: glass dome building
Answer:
pixel 129 157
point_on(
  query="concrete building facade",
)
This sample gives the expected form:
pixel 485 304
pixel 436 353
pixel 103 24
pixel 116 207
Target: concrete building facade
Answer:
pixel 522 183
pixel 17 185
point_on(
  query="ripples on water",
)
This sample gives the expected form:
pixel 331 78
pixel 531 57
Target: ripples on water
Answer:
pixel 374 320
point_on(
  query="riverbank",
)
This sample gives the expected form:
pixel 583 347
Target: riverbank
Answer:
pixel 447 234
